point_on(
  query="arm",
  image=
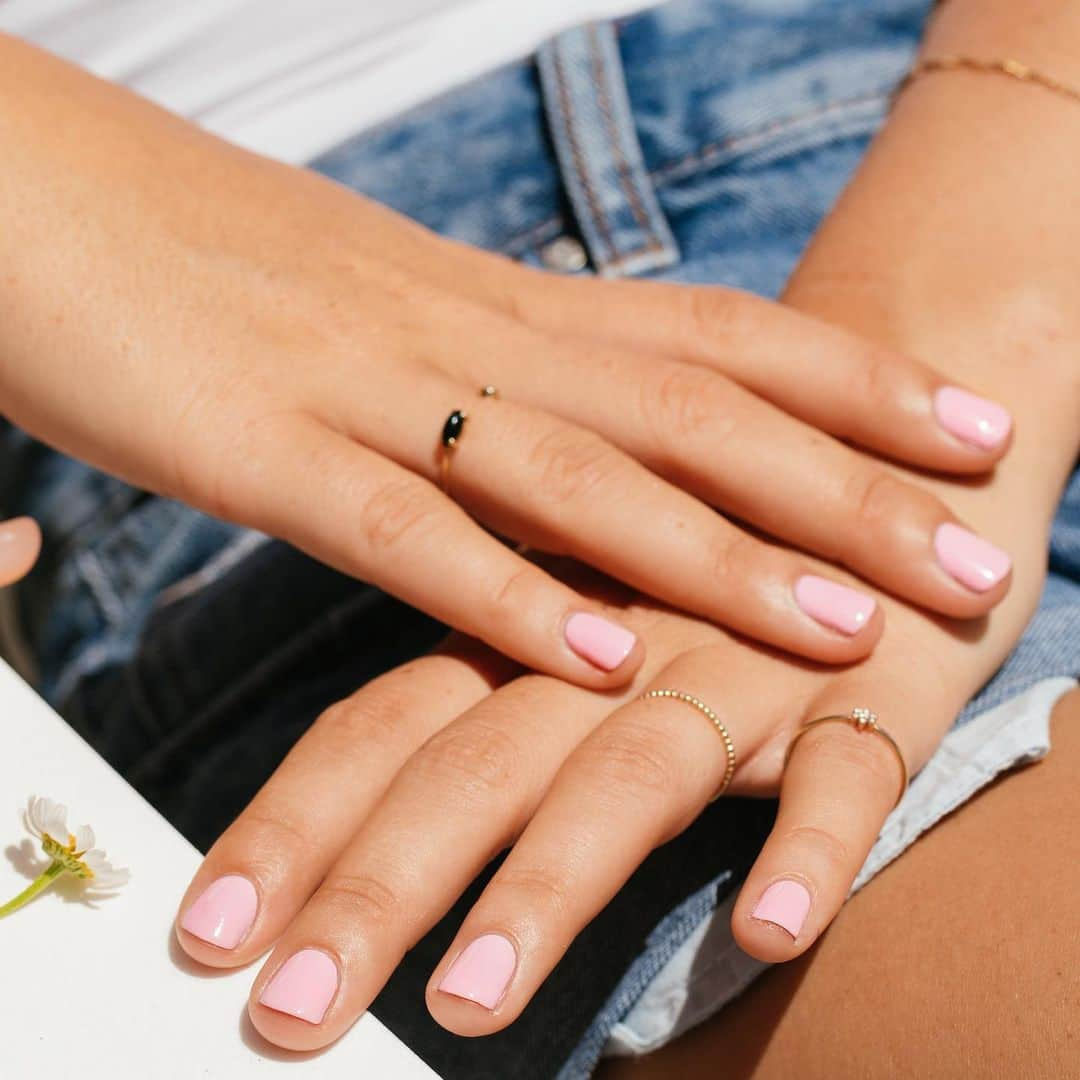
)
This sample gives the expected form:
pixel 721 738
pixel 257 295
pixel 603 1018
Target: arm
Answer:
pixel 276 350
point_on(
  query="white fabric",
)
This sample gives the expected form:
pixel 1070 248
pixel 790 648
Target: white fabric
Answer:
pixel 291 78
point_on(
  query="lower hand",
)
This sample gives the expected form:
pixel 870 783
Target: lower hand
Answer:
pixel 427 773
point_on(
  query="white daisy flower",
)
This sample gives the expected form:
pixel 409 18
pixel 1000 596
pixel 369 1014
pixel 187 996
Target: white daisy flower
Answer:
pixel 71 852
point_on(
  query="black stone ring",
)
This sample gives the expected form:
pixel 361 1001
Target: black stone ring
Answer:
pixel 451 436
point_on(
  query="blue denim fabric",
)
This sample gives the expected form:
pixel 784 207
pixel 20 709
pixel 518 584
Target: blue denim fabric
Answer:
pixel 701 141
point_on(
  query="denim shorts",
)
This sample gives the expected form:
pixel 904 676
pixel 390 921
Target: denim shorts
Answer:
pixel 702 141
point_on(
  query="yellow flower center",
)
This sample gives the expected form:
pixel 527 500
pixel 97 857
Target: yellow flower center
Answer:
pixel 66 855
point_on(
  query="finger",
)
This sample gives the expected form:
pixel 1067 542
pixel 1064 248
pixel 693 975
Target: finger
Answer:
pixel 564 489
pixel 20 544
pixel 640 778
pixel 837 790
pixel 263 868
pixel 458 801
pixel 713 438
pixel 824 375
pixel 370 518
pixel 454 805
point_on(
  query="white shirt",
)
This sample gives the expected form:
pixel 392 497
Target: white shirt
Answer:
pixel 291 78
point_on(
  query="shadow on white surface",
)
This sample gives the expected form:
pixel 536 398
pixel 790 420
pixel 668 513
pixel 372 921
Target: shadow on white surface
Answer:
pixel 254 1041
pixel 248 1033
pixel 188 966
pixel 26 860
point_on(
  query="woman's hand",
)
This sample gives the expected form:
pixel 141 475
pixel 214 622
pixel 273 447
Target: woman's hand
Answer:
pixel 398 797
pixel 20 543
pixel 274 350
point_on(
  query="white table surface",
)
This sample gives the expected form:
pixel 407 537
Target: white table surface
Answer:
pixel 100 990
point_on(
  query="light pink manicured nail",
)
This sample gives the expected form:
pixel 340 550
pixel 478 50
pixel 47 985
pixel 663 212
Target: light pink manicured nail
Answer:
pixel 20 541
pixel 970 559
pixel 303 986
pixel 784 903
pixel 224 912
pixel 603 643
pixel 972 419
pixel 482 972
pixel 844 609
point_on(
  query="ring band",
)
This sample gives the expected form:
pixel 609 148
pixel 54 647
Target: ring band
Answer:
pixel 452 431
pixel 863 720
pixel 697 703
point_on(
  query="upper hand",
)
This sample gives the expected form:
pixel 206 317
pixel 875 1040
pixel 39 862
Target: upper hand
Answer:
pixel 277 351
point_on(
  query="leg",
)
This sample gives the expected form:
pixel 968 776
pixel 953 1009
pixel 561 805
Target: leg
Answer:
pixel 961 959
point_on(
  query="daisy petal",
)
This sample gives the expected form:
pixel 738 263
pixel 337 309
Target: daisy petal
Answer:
pixel 106 876
pixel 53 820
pixel 84 838
pixel 30 817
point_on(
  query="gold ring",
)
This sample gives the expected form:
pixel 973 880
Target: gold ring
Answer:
pixel 452 431
pixel 863 720
pixel 697 703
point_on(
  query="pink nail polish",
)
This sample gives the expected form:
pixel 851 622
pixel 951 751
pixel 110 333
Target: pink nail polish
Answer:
pixel 303 986
pixel 970 559
pixel 837 606
pixel 972 419
pixel 224 912
pixel 784 903
pixel 603 643
pixel 482 972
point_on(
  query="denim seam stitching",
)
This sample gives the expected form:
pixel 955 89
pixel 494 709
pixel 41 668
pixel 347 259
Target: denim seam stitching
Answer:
pixel 704 158
pixel 622 167
pixel 707 155
pixel 570 117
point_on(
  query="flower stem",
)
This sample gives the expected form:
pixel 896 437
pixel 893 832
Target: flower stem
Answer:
pixel 39 884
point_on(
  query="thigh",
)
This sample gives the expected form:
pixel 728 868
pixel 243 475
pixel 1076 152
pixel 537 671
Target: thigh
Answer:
pixel 961 959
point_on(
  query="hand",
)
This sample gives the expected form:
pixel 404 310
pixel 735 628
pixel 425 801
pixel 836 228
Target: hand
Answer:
pixel 422 777
pixel 274 350
pixel 20 543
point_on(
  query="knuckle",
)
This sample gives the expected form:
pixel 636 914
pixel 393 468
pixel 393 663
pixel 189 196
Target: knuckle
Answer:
pixel 535 890
pixel 394 512
pixel 825 846
pixel 679 401
pixel 363 898
pixel 630 760
pixel 874 496
pixel 375 716
pixel 715 314
pixel 270 842
pixel 880 381
pixel 847 751
pixel 572 464
pixel 735 558
pixel 472 763
pixel 517 593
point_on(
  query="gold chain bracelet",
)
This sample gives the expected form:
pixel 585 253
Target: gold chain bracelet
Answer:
pixel 1013 69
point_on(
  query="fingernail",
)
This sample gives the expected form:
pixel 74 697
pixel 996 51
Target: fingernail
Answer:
pixel 972 419
pixel 20 539
pixel 482 972
pixel 303 986
pixel 837 606
pixel 970 559
pixel 784 903
pixel 603 643
pixel 224 912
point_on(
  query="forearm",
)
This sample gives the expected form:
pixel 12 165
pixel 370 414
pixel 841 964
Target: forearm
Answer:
pixel 960 237
pixel 959 240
